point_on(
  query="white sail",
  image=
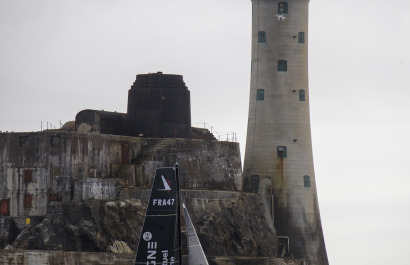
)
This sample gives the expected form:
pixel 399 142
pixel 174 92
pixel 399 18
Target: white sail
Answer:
pixel 196 255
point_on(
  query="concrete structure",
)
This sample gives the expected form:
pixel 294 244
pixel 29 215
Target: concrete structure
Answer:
pixel 158 106
pixel 278 156
pixel 58 166
pixel 90 258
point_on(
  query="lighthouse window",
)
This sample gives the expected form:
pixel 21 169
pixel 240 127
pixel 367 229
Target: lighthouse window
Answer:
pixel 306 181
pixel 261 36
pixel 301 37
pixel 260 94
pixel 282 66
pixel 282 151
pixel 282 8
pixel 301 95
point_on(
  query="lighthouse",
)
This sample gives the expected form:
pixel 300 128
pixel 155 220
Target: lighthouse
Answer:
pixel 278 155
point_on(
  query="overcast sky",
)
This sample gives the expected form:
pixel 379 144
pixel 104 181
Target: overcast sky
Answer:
pixel 59 57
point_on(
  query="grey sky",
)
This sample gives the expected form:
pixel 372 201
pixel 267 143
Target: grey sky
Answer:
pixel 59 57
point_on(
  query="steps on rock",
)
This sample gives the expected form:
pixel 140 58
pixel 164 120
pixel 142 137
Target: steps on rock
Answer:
pixel 202 133
pixel 153 148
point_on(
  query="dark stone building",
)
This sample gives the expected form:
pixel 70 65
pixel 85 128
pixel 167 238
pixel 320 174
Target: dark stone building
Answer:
pixel 158 106
pixel 104 122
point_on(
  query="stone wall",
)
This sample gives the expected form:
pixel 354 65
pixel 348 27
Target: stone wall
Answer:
pixel 58 258
pixel 58 166
pixel 86 258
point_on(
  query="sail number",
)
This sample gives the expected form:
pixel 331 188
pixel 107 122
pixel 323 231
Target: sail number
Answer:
pixel 162 202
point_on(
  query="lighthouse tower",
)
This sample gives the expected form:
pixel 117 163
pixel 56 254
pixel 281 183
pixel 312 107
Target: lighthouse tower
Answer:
pixel 278 155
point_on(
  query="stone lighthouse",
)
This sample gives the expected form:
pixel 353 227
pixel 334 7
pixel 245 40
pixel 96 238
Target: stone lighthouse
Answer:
pixel 278 155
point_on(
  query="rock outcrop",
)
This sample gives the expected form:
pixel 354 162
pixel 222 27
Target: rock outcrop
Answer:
pixel 235 224
pixel 90 226
pixel 239 226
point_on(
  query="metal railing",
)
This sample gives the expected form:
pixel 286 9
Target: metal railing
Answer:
pixel 220 136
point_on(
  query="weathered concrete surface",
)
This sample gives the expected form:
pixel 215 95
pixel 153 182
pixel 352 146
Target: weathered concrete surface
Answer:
pixel 87 258
pixel 57 166
pixel 6 231
pixel 255 261
pixel 278 156
pixel 66 258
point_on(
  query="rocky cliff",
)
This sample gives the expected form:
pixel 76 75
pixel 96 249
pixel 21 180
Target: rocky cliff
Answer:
pixel 230 224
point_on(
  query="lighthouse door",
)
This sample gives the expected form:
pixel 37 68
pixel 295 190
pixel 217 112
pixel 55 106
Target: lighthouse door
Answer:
pixel 255 183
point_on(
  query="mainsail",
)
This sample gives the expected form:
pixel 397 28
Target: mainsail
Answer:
pixel 160 241
pixel 196 255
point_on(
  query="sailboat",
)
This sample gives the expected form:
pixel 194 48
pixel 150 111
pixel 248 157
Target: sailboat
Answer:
pixel 160 240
